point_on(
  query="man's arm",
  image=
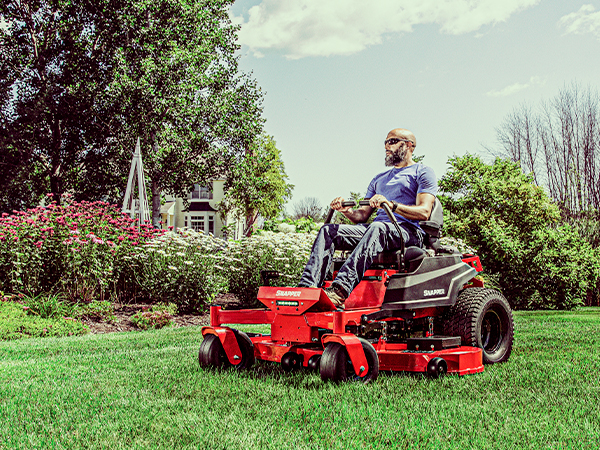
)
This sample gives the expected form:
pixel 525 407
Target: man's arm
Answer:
pixel 419 211
pixel 360 215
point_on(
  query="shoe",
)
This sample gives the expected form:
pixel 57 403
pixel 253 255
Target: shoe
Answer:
pixel 337 295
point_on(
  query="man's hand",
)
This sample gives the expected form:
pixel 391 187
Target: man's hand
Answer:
pixel 378 200
pixel 336 204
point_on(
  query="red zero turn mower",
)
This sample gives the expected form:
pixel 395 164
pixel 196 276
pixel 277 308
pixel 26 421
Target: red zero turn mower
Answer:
pixel 391 319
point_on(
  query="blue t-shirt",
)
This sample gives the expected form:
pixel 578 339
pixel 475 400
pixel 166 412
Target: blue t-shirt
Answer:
pixel 402 186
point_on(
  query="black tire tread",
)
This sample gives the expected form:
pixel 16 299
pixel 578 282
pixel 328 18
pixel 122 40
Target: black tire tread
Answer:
pixel 462 318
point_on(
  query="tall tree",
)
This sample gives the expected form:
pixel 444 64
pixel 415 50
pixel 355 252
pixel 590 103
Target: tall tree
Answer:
pixel 559 144
pixel 82 80
pixel 178 88
pixel 257 185
pixel 56 60
pixel 308 207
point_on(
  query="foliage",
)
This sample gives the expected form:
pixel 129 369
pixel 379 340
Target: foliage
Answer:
pixel 289 225
pixel 176 85
pixel 340 218
pixel 513 224
pixel 16 323
pixel 156 316
pixel 243 260
pixel 80 81
pixel 558 142
pixel 100 310
pixel 47 306
pixel 56 64
pixel 178 267
pixel 76 250
pixel 257 184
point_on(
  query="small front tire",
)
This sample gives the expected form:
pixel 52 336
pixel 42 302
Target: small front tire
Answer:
pixel 212 354
pixel 336 365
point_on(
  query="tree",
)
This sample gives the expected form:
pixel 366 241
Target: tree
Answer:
pixel 257 184
pixel 516 229
pixel 308 207
pixel 178 88
pixel 55 60
pixel 559 144
pixel 86 79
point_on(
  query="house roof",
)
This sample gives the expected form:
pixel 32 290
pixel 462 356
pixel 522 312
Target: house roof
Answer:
pixel 201 206
pixel 167 208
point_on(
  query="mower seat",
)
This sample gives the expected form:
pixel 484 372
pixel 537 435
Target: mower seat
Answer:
pixel 414 255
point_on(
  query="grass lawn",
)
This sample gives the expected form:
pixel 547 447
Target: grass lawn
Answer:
pixel 145 390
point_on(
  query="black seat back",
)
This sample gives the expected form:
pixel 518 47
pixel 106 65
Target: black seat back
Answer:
pixel 414 255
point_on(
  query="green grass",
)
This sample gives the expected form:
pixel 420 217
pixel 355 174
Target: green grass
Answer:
pixel 145 390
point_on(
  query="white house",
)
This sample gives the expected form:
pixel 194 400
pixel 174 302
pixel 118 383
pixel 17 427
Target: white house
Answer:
pixel 202 214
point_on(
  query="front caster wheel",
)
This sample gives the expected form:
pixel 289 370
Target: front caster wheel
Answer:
pixel 212 353
pixel 336 364
pixel 437 367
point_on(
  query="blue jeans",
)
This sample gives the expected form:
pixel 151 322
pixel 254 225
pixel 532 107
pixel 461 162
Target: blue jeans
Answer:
pixel 366 241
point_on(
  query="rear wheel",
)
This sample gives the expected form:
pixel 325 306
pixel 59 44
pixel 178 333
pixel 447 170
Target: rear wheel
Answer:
pixel 212 353
pixel 482 318
pixel 336 366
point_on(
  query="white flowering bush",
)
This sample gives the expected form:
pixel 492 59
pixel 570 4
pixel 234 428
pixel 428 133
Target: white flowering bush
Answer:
pixel 243 260
pixel 180 267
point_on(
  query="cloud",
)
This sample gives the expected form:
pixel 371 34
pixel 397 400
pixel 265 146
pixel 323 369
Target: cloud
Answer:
pixel 582 22
pixel 514 88
pixel 341 27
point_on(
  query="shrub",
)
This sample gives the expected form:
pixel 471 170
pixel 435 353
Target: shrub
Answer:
pixel 47 306
pixel 16 323
pixel 157 316
pixel 514 225
pixel 178 267
pixel 242 261
pixel 100 310
pixel 73 249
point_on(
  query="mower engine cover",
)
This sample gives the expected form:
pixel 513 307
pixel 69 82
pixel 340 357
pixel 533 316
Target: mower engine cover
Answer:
pixel 436 282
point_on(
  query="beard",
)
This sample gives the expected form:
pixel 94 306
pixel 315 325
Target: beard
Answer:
pixel 395 157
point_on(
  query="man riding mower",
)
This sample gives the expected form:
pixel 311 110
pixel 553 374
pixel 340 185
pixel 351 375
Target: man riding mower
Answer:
pixel 415 310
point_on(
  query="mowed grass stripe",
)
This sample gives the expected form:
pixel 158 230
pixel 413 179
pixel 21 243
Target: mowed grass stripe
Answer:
pixel 146 390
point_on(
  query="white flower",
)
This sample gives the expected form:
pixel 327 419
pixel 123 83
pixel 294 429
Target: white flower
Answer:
pixel 172 267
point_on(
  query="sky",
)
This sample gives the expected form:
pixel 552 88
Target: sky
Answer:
pixel 339 74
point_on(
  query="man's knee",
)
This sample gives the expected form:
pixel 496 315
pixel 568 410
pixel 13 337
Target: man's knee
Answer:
pixel 378 228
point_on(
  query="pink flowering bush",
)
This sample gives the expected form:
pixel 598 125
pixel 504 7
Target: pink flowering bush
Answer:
pixel 75 249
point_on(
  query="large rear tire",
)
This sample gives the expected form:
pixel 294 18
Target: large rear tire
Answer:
pixel 336 365
pixel 482 318
pixel 212 354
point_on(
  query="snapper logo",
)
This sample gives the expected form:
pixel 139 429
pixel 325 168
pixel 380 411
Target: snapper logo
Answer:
pixel 434 292
pixel 287 294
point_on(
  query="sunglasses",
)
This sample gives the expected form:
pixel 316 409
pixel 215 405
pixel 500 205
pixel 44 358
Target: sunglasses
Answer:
pixel 394 141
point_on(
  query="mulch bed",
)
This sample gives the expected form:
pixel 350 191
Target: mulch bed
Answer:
pixel 123 313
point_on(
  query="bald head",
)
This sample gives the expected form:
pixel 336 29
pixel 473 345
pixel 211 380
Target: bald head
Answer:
pixel 402 133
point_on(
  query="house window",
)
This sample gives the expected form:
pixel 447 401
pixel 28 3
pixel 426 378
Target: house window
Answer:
pixel 211 224
pixel 201 192
pixel 197 223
